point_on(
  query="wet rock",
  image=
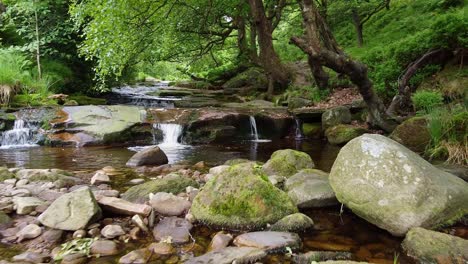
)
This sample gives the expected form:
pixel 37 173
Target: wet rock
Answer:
pixel 77 258
pixel 5 174
pixel 25 205
pixel 287 162
pixel 31 257
pixel 434 247
pixel 112 231
pixel 220 240
pixel 336 116
pixel 162 248
pixel 120 206
pixel 241 197
pixel 29 232
pixel 314 256
pixel 140 223
pixel 177 230
pixel 104 248
pixel 139 256
pixel 149 156
pixel 5 220
pixel 168 204
pixel 310 188
pixel 395 189
pixel 413 134
pixel 172 183
pixel 100 177
pixel 43 175
pixel 229 255
pixel 293 223
pixel 268 240
pixel 72 211
pixel 341 134
pixel 79 234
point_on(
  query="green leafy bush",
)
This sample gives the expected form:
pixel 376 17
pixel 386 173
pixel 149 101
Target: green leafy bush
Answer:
pixel 425 101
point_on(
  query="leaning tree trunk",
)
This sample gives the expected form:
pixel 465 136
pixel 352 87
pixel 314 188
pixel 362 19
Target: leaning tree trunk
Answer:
pixel 340 63
pixel 269 59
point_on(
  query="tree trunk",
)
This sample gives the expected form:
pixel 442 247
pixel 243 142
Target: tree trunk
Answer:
pixel 253 44
pixel 242 44
pixel 320 75
pixel 358 26
pixel 340 63
pixel 269 59
pixel 38 50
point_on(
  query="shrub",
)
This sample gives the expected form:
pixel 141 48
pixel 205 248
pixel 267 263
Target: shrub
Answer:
pixel 13 73
pixel 426 101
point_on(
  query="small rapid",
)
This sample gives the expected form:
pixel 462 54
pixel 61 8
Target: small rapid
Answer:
pixel 22 135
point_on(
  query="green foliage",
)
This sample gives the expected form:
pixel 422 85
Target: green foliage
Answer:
pixel 76 246
pixel 425 101
pixel 312 93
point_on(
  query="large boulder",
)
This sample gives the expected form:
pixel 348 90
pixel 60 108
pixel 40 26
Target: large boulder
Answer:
pixel 72 211
pixel 310 188
pixel 413 133
pixel 336 116
pixel 287 162
pixel 172 183
pixel 153 156
pixel 341 134
pixel 241 197
pixel 394 188
pixel 433 247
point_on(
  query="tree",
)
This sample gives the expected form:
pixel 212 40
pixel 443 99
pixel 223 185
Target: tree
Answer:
pixel 314 47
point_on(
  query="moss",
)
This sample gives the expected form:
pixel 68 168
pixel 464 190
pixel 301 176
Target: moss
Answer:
pixel 287 162
pixel 293 223
pixel 341 134
pixel 50 177
pixel 252 77
pixel 241 197
pixel 24 100
pixel 413 134
pixel 312 130
pixel 172 183
pixel 5 174
pixel 86 100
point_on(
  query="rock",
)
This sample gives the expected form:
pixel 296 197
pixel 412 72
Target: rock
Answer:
pixel 74 258
pixel 268 240
pixel 293 223
pixel 458 170
pixel 112 231
pixel 31 257
pixel 310 188
pixel 172 183
pixel 297 102
pixel 5 174
pixel 241 197
pixel 434 247
pixel 44 175
pixel 104 248
pixel 413 134
pixel 25 205
pixel 229 255
pixel 287 162
pixel 140 223
pixel 252 77
pixel 100 177
pixel 336 116
pixel 5 220
pixel 312 130
pixel 20 193
pixel 162 248
pixel 120 206
pixel 176 230
pixel 139 256
pixel 168 204
pixel 313 256
pixel 341 134
pixel 220 240
pixel 395 189
pixel 52 236
pixel 79 234
pixel 149 156
pixel 72 211
pixel 136 181
pixel 29 232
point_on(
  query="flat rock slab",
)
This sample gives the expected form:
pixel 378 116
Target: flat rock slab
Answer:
pixel 177 230
pixel 25 205
pixel 72 211
pixel 268 240
pixel 239 255
pixel 169 204
pixel 120 206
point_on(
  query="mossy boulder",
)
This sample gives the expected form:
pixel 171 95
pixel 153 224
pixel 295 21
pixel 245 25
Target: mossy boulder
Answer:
pixel 241 198
pixel 434 247
pixel 392 187
pixel 172 183
pixel 413 134
pixel 336 116
pixel 5 174
pixel 341 134
pixel 287 162
pixel 63 178
pixel 293 223
pixel 297 102
pixel 252 77
pixel 312 130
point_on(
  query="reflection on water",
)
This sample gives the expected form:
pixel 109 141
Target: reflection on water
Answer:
pixel 98 157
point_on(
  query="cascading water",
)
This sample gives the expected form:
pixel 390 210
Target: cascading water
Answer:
pixel 22 135
pixel 171 133
pixel 254 131
pixel 299 132
pixel 142 95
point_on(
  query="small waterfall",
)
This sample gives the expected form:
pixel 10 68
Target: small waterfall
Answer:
pixel 22 135
pixel 254 131
pixel 171 133
pixel 299 132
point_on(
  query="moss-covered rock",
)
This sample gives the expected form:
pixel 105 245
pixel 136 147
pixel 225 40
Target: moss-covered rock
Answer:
pixel 5 174
pixel 252 77
pixel 297 102
pixel 434 247
pixel 241 197
pixel 312 130
pixel 172 183
pixel 293 223
pixel 287 162
pixel 336 116
pixel 210 134
pixel 341 134
pixel 413 134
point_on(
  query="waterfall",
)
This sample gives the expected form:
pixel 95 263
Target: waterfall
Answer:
pixel 22 135
pixel 299 132
pixel 254 131
pixel 171 133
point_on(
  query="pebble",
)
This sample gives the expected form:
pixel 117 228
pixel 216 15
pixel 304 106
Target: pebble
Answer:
pixel 162 248
pixel 79 234
pixel 104 248
pixel 140 256
pixel 112 231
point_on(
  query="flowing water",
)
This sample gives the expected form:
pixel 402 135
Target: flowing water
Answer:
pixel 254 132
pixel 22 135
pixel 142 95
